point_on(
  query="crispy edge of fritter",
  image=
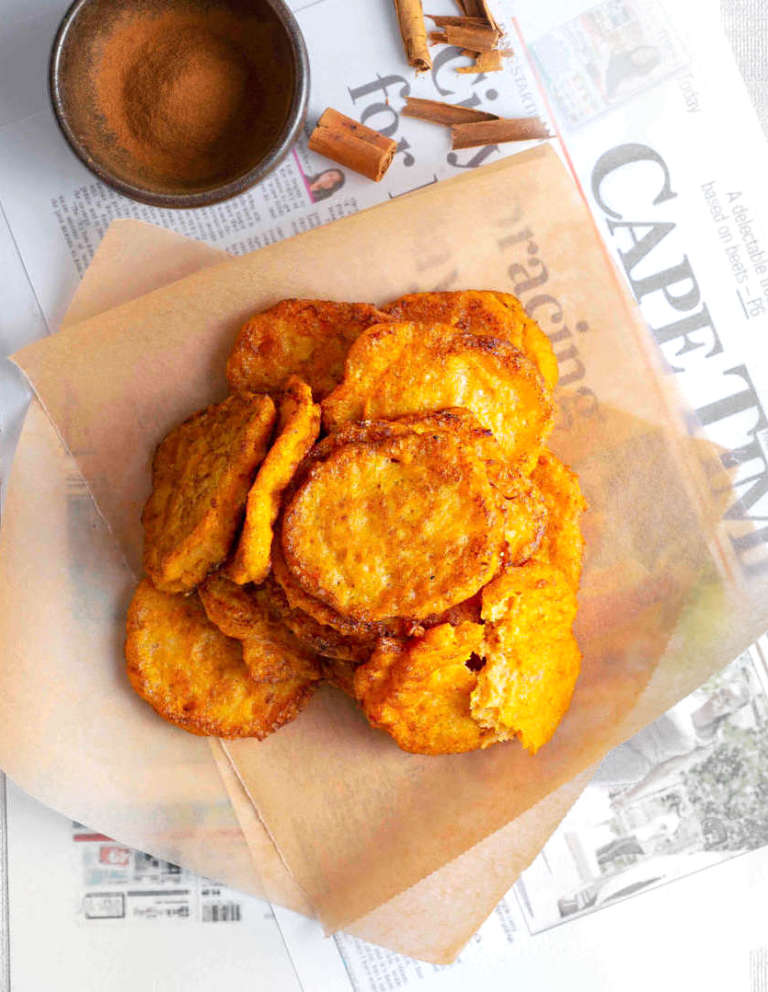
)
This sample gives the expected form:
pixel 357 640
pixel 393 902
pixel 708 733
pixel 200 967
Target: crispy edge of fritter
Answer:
pixel 299 426
pixel 533 341
pixel 562 543
pixel 242 612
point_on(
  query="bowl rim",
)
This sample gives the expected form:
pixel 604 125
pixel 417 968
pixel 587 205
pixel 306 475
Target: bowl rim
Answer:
pixel 294 122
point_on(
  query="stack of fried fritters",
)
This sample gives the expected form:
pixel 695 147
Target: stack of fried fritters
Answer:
pixel 372 506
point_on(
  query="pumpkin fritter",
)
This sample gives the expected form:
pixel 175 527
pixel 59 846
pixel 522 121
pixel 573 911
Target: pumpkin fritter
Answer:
pixel 563 543
pixel 531 657
pixel 407 526
pixel 396 369
pixel 308 338
pixel 359 637
pixel 518 498
pixel 419 690
pixel 201 474
pixel 366 633
pixel 298 427
pixel 195 677
pixel 488 314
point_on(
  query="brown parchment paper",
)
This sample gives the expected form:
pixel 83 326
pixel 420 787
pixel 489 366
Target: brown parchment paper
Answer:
pixel 356 821
pixel 69 733
pixel 434 918
pixel 423 921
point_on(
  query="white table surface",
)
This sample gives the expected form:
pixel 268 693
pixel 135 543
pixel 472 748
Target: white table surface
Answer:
pixel 746 22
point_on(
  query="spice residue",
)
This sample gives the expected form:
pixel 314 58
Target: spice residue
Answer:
pixel 185 96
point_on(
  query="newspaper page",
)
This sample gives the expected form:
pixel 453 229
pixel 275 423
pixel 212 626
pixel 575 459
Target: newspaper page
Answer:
pixel 683 795
pixel 628 91
pixel 119 920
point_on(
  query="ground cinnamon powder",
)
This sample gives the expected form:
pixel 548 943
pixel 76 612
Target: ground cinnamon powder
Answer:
pixel 186 96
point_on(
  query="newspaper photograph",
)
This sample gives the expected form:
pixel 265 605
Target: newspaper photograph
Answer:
pixel 685 793
pixel 606 55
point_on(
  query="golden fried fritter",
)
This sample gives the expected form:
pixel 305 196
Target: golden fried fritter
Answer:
pixel 407 527
pixel 298 427
pixel 250 614
pixel 338 636
pixel 233 608
pixel 318 637
pixel 364 633
pixel 531 656
pixel 308 338
pixel 519 499
pixel 396 369
pixel 419 690
pixel 563 543
pixel 489 314
pixel 201 475
pixel 195 677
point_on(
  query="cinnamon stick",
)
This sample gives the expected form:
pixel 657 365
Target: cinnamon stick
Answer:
pixel 410 16
pixel 477 8
pixel 476 133
pixel 485 61
pixel 443 113
pixel 478 38
pixel 352 145
pixel 445 20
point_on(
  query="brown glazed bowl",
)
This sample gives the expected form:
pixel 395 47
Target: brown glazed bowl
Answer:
pixel 74 59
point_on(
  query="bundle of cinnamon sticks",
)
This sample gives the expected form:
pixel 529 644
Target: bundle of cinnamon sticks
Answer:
pixel 474 30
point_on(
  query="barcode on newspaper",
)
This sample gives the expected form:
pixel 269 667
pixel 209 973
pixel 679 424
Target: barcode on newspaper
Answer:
pixel 221 912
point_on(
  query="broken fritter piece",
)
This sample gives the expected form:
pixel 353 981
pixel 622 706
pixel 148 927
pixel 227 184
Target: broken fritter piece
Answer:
pixel 201 474
pixel 562 543
pixel 419 691
pixel 308 338
pixel 195 677
pixel 397 369
pixel 488 314
pixel 298 427
pixel 408 527
pixel 531 657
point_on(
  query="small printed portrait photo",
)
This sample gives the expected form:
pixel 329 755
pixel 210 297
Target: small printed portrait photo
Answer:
pixel 325 184
pixel 626 68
